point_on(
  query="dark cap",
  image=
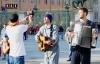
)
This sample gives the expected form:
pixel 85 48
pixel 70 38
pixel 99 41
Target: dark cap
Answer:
pixel 49 16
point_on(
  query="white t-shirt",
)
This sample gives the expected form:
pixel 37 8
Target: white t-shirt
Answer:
pixel 15 35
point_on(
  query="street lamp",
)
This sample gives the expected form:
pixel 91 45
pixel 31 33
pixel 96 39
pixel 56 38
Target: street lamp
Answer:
pixel 67 14
pixel 35 8
pixel 35 12
pixel 1 5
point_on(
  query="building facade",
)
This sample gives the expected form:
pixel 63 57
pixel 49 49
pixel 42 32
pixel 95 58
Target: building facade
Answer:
pixel 96 10
pixel 24 5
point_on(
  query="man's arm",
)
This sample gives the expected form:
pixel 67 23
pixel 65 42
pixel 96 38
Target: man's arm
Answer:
pixel 23 20
pixel 30 21
pixel 94 30
pixel 37 35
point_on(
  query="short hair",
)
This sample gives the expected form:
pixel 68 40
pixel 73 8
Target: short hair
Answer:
pixel 84 10
pixel 5 24
pixel 14 18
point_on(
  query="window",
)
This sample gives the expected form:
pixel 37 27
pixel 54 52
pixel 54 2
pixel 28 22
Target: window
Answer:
pixel 23 0
pixel 53 2
pixel 45 2
pixel 63 15
pixel 95 15
pixel 5 0
pixel 16 0
pixel 95 1
pixel 39 1
pixel 59 2
pixel 58 17
pixel 31 0
pixel 11 6
pixel 65 2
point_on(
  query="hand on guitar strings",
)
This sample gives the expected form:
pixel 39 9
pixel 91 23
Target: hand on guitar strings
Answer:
pixel 48 42
pixel 37 40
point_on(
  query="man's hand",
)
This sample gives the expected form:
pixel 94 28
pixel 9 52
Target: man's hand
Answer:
pixel 23 20
pixel 48 42
pixel 68 33
pixel 95 36
pixel 71 34
pixel 5 39
pixel 37 40
pixel 30 17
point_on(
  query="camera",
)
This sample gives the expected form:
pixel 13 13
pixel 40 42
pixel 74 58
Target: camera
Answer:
pixel 30 12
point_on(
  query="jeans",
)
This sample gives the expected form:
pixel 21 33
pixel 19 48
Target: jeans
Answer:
pixel 52 56
pixel 7 57
pixel 62 35
pixel 70 51
pixel 24 35
pixel 16 60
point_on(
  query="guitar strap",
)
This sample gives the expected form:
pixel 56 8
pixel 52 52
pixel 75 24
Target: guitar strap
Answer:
pixel 51 30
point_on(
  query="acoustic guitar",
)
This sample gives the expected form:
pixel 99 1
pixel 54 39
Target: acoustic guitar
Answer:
pixel 7 48
pixel 42 45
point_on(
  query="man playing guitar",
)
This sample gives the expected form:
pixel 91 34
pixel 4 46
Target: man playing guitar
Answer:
pixel 51 56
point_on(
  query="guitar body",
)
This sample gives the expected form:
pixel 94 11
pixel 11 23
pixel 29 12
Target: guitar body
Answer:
pixel 6 48
pixel 41 45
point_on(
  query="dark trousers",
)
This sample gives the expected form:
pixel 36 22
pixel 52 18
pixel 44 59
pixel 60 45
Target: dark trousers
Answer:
pixel 81 55
pixel 24 35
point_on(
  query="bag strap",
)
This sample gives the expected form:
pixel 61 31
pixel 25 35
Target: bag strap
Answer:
pixel 51 30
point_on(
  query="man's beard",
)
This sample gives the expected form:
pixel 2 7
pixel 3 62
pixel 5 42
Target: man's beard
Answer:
pixel 81 17
pixel 45 22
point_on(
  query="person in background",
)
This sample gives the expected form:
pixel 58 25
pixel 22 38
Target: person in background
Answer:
pixel 61 30
pixel 6 47
pixel 27 32
pixel 37 28
pixel 0 51
pixel 98 27
pixel 69 41
pixel 2 32
pixel 24 35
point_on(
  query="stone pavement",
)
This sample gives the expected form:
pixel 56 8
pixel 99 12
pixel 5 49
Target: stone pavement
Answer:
pixel 33 56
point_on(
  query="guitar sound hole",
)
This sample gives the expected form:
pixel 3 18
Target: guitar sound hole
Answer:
pixel 42 44
pixel 46 38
